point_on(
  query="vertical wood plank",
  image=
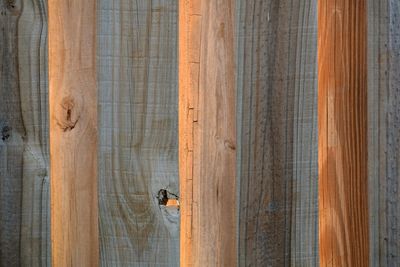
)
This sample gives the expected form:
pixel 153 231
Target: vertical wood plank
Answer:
pixel 73 132
pixel 24 179
pixel 207 138
pixel 33 85
pixel 12 137
pixel 277 128
pixel 187 87
pixel 342 125
pixel 383 131
pixel 138 149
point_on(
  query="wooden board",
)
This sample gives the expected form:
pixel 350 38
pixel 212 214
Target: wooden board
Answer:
pixel 383 131
pixel 342 133
pixel 138 108
pixel 277 132
pixel 73 133
pixel 207 138
pixel 24 179
pixel 276 109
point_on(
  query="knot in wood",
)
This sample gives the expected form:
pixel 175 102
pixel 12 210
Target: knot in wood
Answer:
pixel 229 144
pixel 69 116
pixel 162 197
pixel 5 133
pixel 10 7
pixel 166 198
pixel 10 3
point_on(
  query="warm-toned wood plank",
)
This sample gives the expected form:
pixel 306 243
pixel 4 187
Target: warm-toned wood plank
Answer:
pixel 342 126
pixel 186 124
pixel 24 184
pixel 383 131
pixel 207 138
pixel 73 132
pixel 138 148
pixel 277 114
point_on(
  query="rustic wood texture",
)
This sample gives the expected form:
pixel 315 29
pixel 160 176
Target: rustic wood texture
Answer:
pixel 73 132
pixel 383 131
pixel 342 133
pixel 12 134
pixel 32 62
pixel 24 180
pixel 138 123
pixel 207 138
pixel 277 129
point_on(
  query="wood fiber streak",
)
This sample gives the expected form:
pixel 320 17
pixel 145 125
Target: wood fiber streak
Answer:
pixel 277 129
pixel 207 138
pixel 24 179
pixel 384 131
pixel 138 127
pixel 73 133
pixel 342 126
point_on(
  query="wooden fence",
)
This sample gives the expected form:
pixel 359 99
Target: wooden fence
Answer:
pixel 199 133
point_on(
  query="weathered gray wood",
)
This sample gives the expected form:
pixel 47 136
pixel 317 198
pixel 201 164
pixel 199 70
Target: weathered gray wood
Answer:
pixel 24 181
pixel 138 105
pixel 384 131
pixel 12 134
pixel 277 133
pixel 32 53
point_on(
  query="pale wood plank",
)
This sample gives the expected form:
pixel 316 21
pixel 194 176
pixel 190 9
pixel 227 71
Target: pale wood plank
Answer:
pixel 138 106
pixel 24 196
pixel 207 137
pixel 73 133
pixel 277 133
pixel 383 131
pixel 342 126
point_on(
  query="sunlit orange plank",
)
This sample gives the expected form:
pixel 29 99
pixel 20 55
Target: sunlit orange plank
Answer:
pixel 342 125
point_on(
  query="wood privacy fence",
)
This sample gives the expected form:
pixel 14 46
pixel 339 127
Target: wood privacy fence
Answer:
pixel 199 133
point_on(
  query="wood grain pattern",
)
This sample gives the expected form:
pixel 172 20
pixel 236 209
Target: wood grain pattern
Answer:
pixel 138 149
pixel 342 126
pixel 383 131
pixel 12 134
pixel 24 179
pixel 207 138
pixel 33 85
pixel 73 132
pixel 277 128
